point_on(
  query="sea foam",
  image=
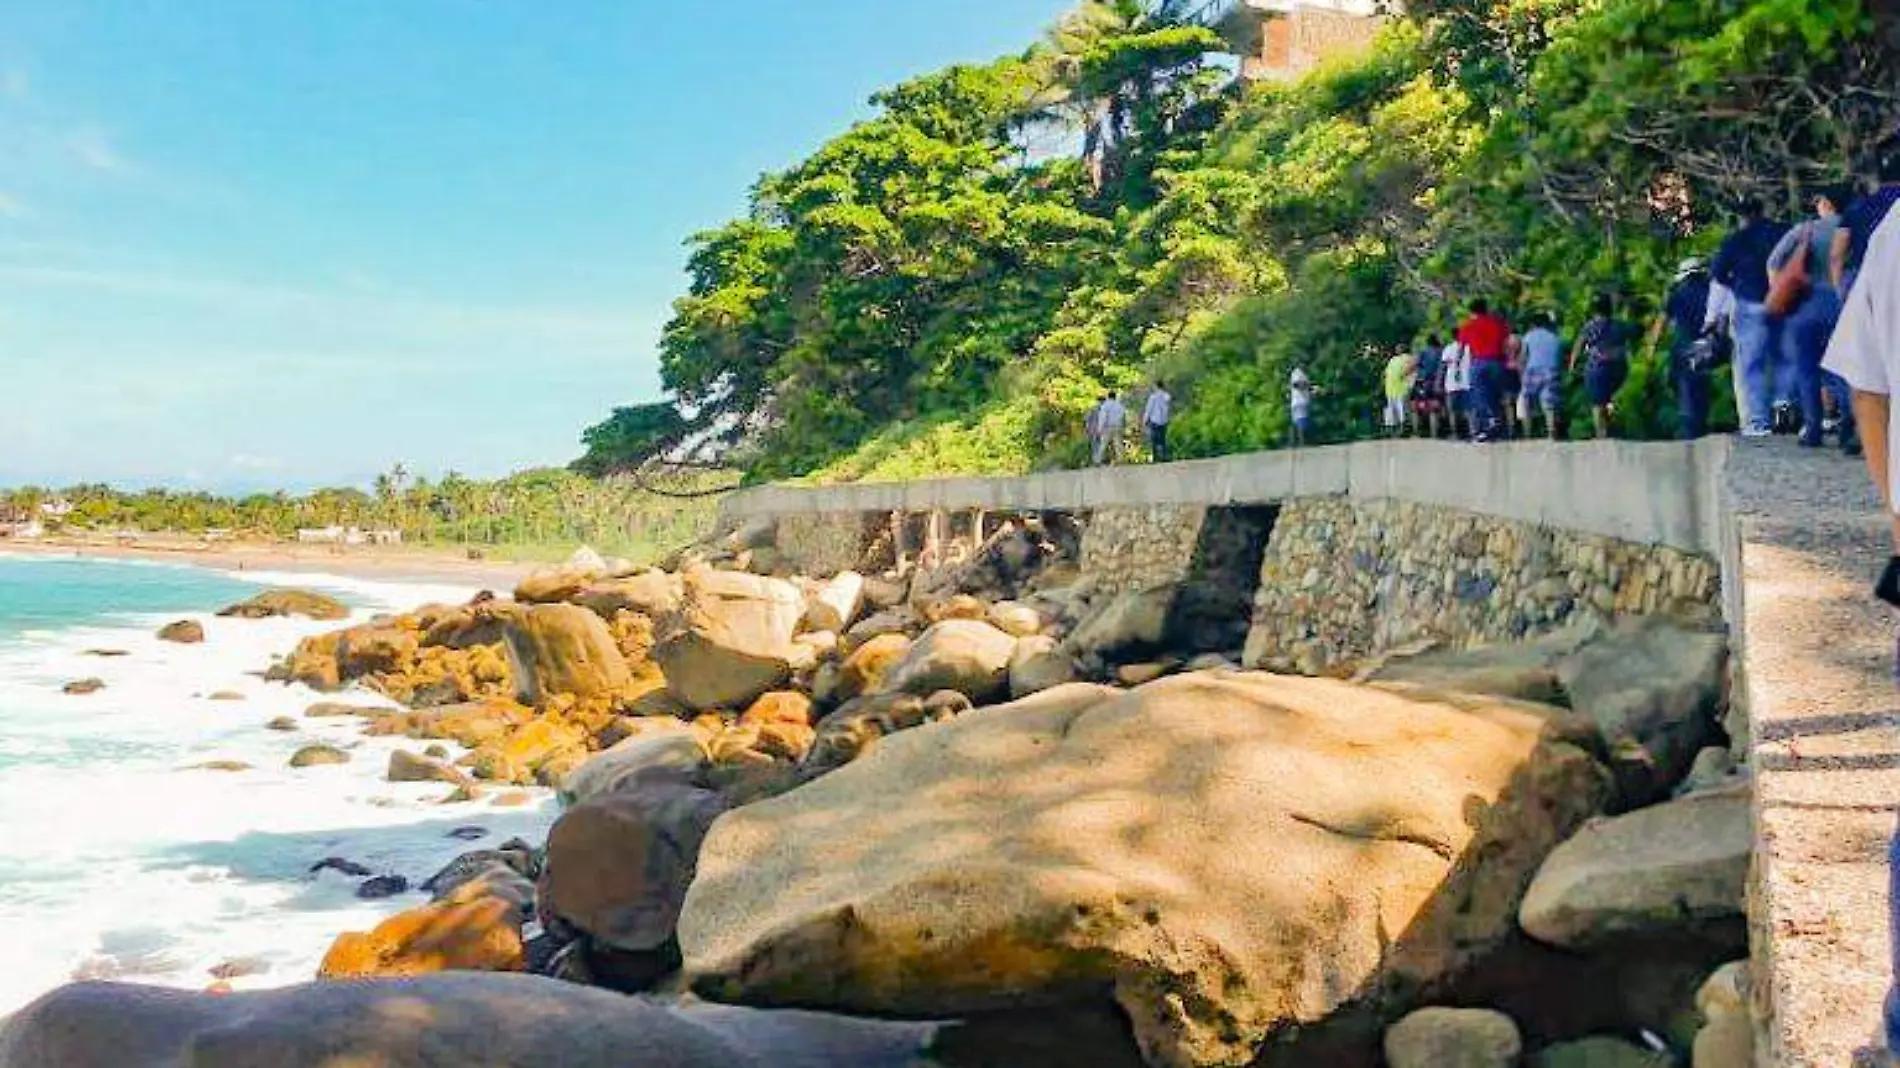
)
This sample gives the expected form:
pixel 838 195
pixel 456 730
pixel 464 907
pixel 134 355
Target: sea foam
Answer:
pixel 116 861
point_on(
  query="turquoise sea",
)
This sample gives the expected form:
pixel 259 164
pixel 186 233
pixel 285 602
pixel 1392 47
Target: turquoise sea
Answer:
pixel 120 858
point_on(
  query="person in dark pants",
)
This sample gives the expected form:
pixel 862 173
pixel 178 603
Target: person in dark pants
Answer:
pixel 1687 314
pixel 1484 335
pixel 1155 416
pixel 1810 326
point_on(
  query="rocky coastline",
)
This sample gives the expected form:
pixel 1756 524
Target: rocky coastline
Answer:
pixel 1001 813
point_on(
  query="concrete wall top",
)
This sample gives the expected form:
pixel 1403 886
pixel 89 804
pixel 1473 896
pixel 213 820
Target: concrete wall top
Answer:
pixel 1663 493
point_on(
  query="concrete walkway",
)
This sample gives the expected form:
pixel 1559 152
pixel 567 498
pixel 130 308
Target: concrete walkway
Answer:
pixel 1825 714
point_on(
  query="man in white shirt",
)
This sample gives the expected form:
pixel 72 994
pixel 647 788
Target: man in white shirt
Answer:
pixel 1111 418
pixel 1154 420
pixel 1300 401
pixel 1866 352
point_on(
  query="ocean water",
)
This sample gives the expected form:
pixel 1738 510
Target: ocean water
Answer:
pixel 119 861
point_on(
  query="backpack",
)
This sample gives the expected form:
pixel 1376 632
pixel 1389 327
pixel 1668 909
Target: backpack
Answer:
pixel 1790 285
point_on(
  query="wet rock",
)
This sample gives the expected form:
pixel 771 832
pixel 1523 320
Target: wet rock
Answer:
pixel 183 632
pixel 83 687
pixel 382 886
pixel 284 724
pixel 335 710
pixel 220 765
pixel 482 936
pixel 405 766
pixel 342 866
pixel 226 695
pixel 108 654
pixel 303 603
pixel 468 834
pixel 239 968
pixel 312 756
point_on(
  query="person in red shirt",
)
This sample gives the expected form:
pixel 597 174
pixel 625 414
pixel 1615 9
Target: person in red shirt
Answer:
pixel 1486 334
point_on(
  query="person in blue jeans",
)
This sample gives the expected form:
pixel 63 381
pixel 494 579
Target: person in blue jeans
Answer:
pixel 1742 266
pixel 1686 314
pixel 1808 329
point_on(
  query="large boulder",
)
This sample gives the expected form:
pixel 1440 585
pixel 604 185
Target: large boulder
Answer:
pixel 1600 1051
pixel 618 863
pixel 289 603
pixel 559 648
pixel 666 749
pixel 466 1020
pixel 1227 856
pixel 1129 624
pixel 965 655
pixel 1672 867
pixel 835 605
pixel 1656 691
pixel 731 640
pixel 1454 1038
pixel 372 650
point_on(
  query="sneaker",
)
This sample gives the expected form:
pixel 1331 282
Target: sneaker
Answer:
pixel 1757 432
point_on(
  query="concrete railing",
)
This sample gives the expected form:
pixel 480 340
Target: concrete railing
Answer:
pixel 1664 493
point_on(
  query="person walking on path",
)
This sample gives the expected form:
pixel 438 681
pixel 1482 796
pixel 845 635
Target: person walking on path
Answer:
pixel 1300 403
pixel 1111 418
pixel 1399 372
pixel 1742 266
pixel 1859 222
pixel 1543 376
pixel 1154 420
pixel 1604 345
pixel 1483 335
pixel 1865 352
pixel 1697 337
pixel 1805 333
pixel 1428 388
pixel 1457 361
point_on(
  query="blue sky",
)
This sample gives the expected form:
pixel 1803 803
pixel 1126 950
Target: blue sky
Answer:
pixel 248 244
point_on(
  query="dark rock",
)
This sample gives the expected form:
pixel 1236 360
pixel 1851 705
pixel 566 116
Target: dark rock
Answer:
pixel 339 864
pixel 303 603
pixel 311 756
pixel 468 834
pixel 83 687
pixel 382 886
pixel 107 654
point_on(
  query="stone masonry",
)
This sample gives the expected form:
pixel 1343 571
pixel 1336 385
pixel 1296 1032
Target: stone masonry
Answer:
pixel 1126 549
pixel 1345 579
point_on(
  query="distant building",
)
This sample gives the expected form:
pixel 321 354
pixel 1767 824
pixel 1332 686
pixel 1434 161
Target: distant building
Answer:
pixel 58 508
pixel 22 529
pixel 1280 40
pixel 348 536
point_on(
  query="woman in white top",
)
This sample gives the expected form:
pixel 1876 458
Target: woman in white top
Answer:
pixel 1457 363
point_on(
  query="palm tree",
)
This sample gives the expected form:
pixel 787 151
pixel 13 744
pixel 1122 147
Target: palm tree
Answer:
pixel 1108 63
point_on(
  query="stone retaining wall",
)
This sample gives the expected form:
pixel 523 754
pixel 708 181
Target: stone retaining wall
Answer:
pixel 1345 579
pixel 1127 549
pixel 825 543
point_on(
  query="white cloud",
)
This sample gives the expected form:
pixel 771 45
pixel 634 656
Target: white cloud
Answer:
pixel 94 149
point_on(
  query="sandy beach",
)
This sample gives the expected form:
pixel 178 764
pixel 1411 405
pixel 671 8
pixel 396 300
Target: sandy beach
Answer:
pixel 444 566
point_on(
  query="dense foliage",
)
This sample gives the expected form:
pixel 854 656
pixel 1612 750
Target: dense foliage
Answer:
pixel 551 510
pixel 939 290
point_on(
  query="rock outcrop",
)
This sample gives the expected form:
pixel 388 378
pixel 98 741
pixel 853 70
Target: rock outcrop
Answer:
pixel 1454 1038
pixel 303 603
pixel 1229 856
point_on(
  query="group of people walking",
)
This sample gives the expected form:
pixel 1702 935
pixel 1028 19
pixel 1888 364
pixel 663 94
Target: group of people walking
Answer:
pixel 1107 425
pixel 1766 307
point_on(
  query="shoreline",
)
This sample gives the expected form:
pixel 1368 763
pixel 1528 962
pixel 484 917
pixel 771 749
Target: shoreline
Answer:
pixel 376 563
